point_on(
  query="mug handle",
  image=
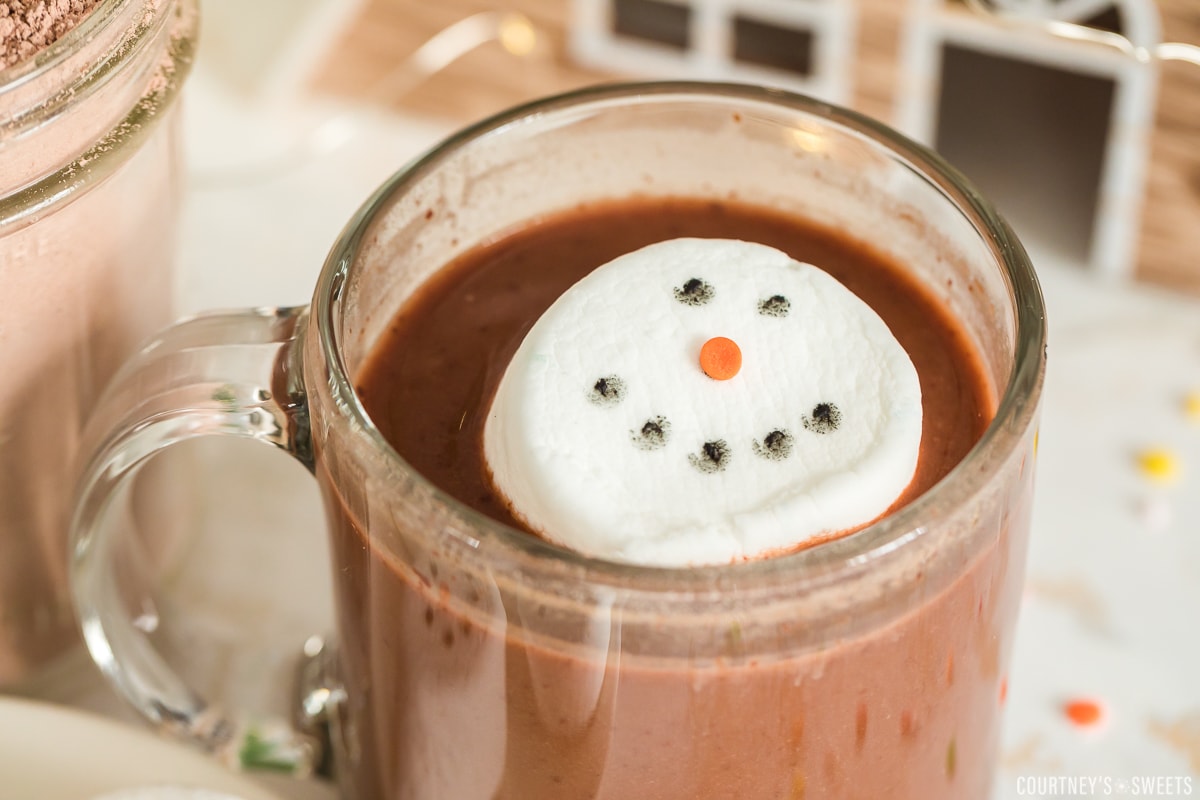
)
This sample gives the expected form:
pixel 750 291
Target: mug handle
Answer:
pixel 218 374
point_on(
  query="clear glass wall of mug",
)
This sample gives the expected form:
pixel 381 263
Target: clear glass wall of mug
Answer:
pixel 475 661
pixel 89 191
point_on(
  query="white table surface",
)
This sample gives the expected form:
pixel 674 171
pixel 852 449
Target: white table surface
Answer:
pixel 1114 566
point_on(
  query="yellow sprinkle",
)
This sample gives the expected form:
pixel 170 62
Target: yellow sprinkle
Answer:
pixel 1191 406
pixel 1159 464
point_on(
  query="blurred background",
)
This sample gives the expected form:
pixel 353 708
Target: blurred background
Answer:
pixel 1057 109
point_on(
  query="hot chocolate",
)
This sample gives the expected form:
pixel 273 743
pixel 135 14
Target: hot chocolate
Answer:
pixel 534 719
pixel 459 333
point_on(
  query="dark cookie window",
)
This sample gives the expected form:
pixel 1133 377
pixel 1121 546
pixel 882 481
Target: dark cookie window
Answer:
pixel 694 293
pixel 713 456
pixel 607 391
pixel 775 306
pixel 776 46
pixel 825 418
pixel 654 21
pixel 653 434
pixel 776 445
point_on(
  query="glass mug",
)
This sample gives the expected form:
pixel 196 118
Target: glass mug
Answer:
pixel 477 661
pixel 90 191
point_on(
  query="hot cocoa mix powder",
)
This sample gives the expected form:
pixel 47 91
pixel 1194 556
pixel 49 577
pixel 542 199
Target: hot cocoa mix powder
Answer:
pixel 29 26
pixel 450 697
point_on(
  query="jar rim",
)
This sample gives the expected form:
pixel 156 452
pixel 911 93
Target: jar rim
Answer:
pixel 177 20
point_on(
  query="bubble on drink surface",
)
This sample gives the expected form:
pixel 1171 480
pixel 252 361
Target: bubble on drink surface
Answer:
pixel 615 433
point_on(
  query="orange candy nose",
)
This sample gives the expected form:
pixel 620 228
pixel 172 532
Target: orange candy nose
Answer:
pixel 720 358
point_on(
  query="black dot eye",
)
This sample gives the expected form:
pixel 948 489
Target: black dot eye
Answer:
pixel 607 391
pixel 694 293
pixel 713 456
pixel 776 445
pixel 826 418
pixel 775 306
pixel 653 434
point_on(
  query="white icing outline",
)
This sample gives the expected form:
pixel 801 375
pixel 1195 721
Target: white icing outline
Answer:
pixel 932 24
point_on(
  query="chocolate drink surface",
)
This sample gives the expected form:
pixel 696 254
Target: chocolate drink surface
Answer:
pixel 904 711
pixel 460 332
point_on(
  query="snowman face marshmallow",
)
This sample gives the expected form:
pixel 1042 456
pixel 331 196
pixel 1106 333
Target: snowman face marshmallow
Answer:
pixel 701 401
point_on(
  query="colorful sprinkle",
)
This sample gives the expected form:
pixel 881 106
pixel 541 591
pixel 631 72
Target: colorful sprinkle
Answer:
pixel 720 358
pixel 951 759
pixel 1084 713
pixel 1003 690
pixel 1191 406
pixel 1159 465
pixel 799 785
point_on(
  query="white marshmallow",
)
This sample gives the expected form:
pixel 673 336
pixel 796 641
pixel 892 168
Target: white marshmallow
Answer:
pixel 570 454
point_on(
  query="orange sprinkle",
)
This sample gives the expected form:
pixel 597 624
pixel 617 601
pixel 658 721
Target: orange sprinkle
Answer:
pixel 1003 690
pixel 720 358
pixel 1083 712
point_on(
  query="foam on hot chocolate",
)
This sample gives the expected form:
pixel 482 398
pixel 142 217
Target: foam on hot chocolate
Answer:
pixel 613 435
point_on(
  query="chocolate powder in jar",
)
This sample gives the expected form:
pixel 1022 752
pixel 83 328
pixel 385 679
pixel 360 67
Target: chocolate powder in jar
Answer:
pixel 29 26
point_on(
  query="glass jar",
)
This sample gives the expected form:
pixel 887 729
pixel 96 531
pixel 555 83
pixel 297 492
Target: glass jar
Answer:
pixel 89 204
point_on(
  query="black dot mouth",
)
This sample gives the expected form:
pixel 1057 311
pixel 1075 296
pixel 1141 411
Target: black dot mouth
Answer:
pixel 607 391
pixel 653 434
pixel 713 456
pixel 775 446
pixel 825 418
